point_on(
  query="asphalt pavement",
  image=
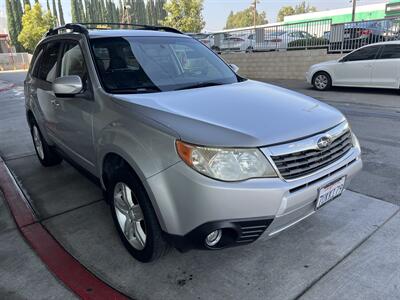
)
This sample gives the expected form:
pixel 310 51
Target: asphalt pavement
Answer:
pixel 347 250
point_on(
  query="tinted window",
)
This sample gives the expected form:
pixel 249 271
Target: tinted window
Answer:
pixel 146 64
pixel 36 63
pixel 366 53
pixel 72 61
pixel 48 63
pixel 390 52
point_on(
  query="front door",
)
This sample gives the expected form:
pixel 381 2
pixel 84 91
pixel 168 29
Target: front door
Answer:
pixel 355 69
pixel 386 69
pixel 75 114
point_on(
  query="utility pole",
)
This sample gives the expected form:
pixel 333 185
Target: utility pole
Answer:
pixel 255 12
pixel 353 15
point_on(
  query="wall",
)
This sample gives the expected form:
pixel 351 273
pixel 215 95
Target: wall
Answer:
pixel 279 64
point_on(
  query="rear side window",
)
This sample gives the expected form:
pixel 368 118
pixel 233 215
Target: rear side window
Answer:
pixel 36 63
pixel 48 63
pixel 367 53
pixel 390 52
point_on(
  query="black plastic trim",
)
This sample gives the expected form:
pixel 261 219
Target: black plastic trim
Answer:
pixel 234 233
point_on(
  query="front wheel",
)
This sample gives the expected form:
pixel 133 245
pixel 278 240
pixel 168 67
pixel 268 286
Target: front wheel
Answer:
pixel 322 81
pixel 134 217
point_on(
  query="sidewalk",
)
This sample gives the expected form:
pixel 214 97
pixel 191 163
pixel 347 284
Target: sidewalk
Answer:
pixel 23 275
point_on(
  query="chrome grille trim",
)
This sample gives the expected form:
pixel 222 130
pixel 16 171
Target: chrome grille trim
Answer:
pixel 304 157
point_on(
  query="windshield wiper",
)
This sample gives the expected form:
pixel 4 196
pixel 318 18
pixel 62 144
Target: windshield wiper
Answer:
pixel 199 85
pixel 138 90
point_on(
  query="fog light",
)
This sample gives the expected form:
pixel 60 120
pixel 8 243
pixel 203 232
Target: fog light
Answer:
pixel 213 238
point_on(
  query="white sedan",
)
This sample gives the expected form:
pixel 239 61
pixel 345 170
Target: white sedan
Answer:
pixel 375 66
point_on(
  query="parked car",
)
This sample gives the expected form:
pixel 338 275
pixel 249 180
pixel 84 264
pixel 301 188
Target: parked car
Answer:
pixel 279 40
pixel 240 42
pixel 205 38
pixel 188 152
pixel 359 34
pixel 376 65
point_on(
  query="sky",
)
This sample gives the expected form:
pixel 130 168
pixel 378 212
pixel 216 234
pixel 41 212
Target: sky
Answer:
pixel 216 11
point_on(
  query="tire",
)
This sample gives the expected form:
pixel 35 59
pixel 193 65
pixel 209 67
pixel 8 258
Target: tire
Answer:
pixel 249 49
pixel 46 154
pixel 322 81
pixel 142 235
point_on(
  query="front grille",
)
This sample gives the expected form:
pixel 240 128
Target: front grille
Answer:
pixel 298 164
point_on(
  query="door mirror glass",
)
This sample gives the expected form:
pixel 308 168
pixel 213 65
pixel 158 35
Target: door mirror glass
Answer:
pixel 67 86
pixel 235 68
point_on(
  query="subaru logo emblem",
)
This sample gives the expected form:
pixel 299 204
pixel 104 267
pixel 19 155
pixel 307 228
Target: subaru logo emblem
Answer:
pixel 324 142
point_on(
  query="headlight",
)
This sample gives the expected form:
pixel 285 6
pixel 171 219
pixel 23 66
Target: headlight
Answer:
pixel 226 164
pixel 355 141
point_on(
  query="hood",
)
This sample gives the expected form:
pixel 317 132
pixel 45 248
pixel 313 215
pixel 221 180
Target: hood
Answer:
pixel 325 63
pixel 245 114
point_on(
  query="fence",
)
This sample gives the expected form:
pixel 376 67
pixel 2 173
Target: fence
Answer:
pixel 14 61
pixel 304 35
pixel 346 37
pixel 320 34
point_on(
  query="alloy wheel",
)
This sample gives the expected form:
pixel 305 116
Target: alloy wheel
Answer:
pixel 130 216
pixel 321 81
pixel 37 140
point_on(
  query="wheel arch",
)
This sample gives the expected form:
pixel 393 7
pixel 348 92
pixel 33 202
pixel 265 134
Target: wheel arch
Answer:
pixel 115 159
pixel 322 71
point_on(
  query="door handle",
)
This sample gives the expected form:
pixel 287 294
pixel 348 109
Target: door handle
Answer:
pixel 55 103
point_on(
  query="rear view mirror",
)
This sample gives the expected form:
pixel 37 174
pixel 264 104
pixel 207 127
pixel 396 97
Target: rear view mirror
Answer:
pixel 67 86
pixel 235 68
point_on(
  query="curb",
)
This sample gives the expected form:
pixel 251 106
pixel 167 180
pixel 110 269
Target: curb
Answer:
pixel 7 87
pixel 58 261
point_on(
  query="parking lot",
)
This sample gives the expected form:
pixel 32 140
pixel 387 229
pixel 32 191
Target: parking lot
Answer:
pixel 348 250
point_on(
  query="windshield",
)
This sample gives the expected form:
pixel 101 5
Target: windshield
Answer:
pixel 152 64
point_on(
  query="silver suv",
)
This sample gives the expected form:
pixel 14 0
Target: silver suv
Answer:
pixel 189 153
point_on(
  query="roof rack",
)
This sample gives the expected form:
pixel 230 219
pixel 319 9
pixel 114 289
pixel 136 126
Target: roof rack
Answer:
pixel 84 27
pixel 133 25
pixel 70 26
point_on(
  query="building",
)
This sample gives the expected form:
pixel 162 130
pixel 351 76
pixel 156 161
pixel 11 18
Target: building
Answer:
pixel 342 15
pixel 4 46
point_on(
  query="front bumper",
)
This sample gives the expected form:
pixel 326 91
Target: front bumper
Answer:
pixel 190 205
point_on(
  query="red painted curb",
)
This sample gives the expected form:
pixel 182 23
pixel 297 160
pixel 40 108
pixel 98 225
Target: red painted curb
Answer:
pixel 6 88
pixel 63 265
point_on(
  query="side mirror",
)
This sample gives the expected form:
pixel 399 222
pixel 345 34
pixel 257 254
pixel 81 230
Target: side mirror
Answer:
pixel 235 68
pixel 67 86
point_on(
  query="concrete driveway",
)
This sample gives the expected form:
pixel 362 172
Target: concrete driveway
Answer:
pixel 347 250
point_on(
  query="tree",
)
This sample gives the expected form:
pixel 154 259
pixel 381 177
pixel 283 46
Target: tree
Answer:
pixel 151 13
pixel 27 2
pixel 14 19
pixel 160 11
pixel 34 26
pixel 245 18
pixel 304 8
pixel 185 15
pixel 55 14
pixel 74 11
pixel 301 8
pixel 285 11
pixel 60 13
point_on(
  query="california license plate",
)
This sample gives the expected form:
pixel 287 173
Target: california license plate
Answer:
pixel 330 192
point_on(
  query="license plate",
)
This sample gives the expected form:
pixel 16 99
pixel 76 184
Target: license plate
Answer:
pixel 330 192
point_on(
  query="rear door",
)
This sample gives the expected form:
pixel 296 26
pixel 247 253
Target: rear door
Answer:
pixel 40 87
pixel 385 69
pixel 75 114
pixel 355 69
